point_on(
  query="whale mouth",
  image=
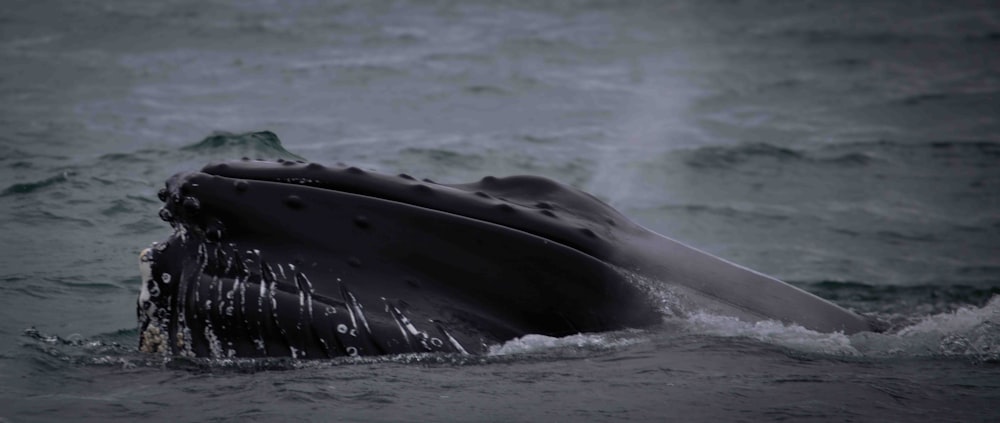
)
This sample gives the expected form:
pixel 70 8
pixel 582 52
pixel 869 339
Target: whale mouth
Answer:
pixel 298 259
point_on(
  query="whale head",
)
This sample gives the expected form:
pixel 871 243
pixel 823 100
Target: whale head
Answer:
pixel 303 260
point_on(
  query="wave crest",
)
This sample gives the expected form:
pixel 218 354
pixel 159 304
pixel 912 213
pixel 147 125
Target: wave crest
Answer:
pixel 255 144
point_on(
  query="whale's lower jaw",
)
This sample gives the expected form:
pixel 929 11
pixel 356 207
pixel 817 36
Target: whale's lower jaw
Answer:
pixel 242 306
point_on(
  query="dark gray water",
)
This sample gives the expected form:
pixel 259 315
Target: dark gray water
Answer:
pixel 850 148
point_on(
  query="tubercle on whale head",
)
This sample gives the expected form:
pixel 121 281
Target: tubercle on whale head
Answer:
pixel 183 210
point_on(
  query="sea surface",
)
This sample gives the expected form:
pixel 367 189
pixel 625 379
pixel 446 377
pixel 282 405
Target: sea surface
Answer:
pixel 851 148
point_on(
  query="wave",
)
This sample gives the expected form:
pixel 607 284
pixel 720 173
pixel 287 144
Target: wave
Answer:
pixel 721 157
pixel 918 321
pixel 969 332
pixel 984 37
pixel 852 154
pixel 736 212
pixel 445 158
pixel 948 100
pixel 816 37
pixel 30 187
pixel 262 144
pixel 954 294
pixel 221 145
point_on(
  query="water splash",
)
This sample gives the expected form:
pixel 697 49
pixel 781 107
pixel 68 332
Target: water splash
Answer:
pixel 772 332
pixel 969 332
pixel 534 343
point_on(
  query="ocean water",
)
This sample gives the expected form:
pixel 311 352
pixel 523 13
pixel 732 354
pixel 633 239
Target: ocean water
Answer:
pixel 850 148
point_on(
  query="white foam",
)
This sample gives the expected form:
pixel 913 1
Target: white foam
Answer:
pixel 772 332
pixel 961 320
pixel 972 332
pixel 534 343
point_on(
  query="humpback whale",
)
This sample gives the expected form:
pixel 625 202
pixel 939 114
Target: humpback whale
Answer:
pixel 302 260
